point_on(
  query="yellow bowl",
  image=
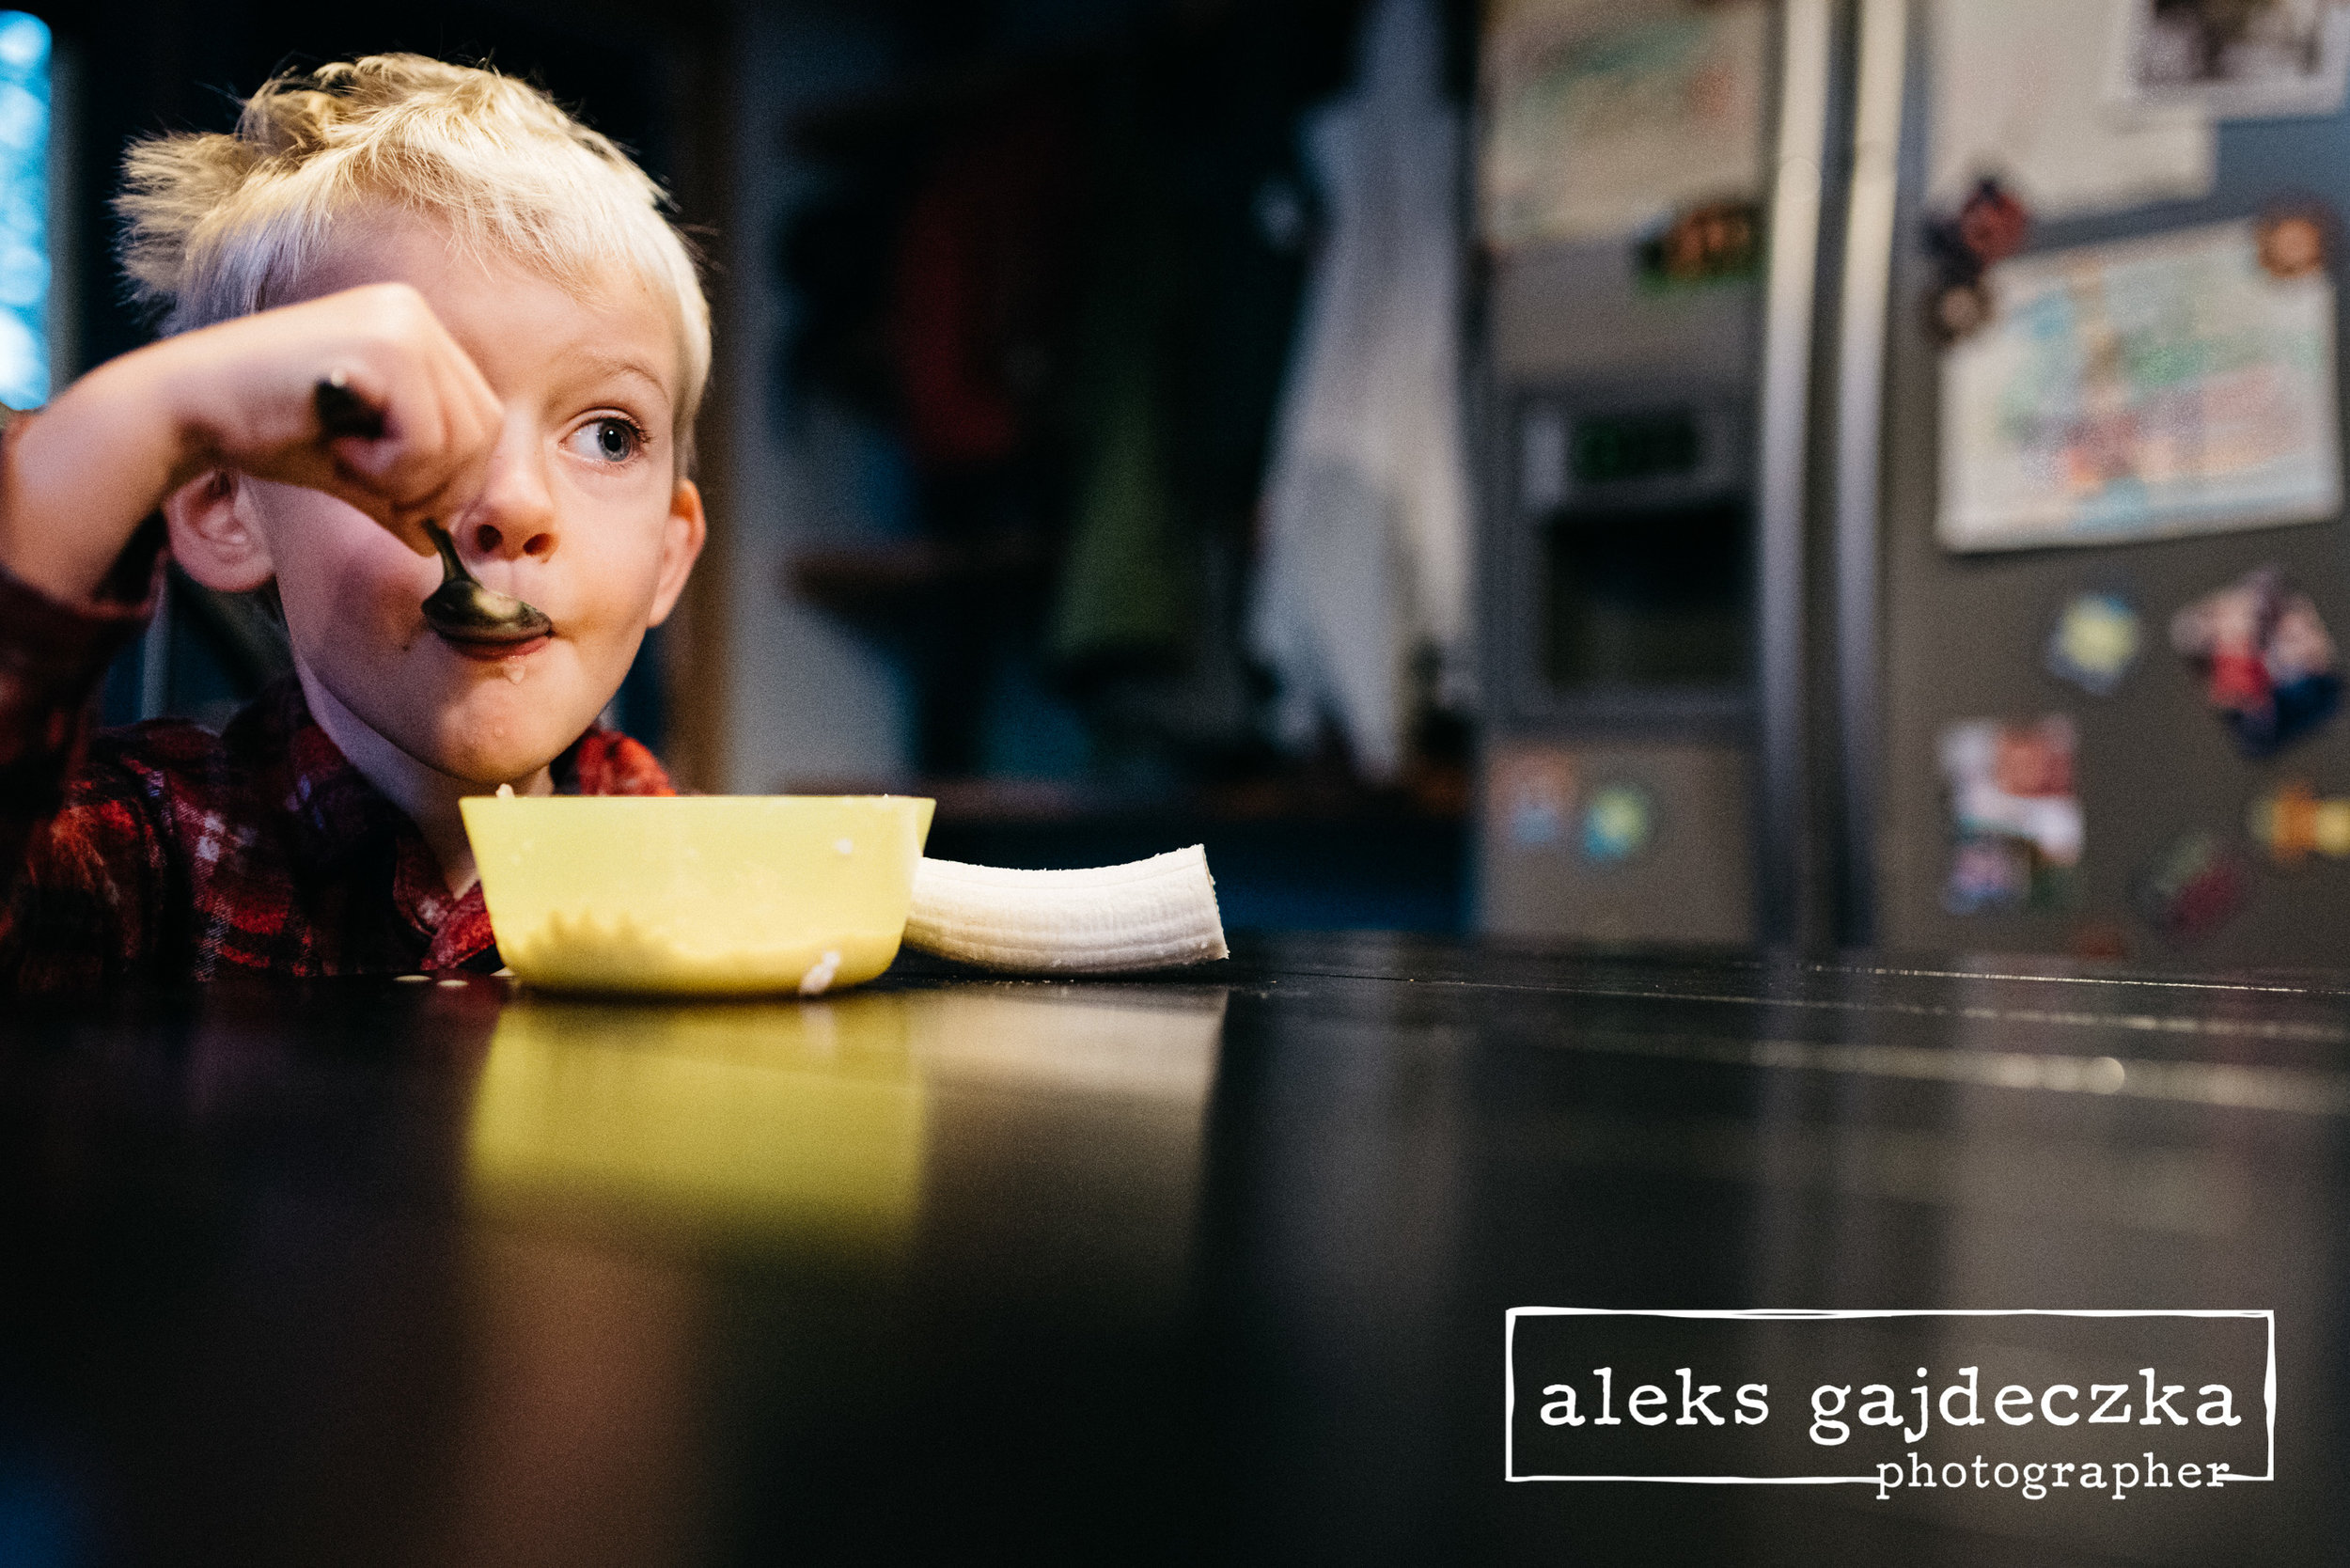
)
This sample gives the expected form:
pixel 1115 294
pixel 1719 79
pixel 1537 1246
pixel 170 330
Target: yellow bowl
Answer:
pixel 699 894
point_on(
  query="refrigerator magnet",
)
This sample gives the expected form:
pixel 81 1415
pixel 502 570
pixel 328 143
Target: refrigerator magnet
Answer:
pixel 2265 657
pixel 2098 939
pixel 1987 228
pixel 2294 239
pixel 2192 888
pixel 2096 642
pixel 1713 241
pixel 2016 825
pixel 1955 311
pixel 1532 791
pixel 1618 822
pixel 2292 823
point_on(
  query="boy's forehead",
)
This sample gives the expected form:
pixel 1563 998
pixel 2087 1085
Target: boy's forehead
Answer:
pixel 504 311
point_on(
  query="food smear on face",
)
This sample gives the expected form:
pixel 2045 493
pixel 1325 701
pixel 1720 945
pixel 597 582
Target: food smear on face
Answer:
pixel 515 670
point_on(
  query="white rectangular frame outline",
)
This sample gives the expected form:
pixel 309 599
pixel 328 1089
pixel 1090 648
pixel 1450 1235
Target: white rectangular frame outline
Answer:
pixel 1809 1314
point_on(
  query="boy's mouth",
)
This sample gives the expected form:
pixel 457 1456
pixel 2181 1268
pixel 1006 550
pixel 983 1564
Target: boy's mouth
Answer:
pixel 492 653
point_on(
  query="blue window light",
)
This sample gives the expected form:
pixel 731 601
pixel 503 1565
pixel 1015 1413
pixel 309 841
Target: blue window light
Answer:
pixel 23 209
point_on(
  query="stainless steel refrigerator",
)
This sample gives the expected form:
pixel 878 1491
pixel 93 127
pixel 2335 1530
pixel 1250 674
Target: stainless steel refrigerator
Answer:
pixel 2180 851
pixel 1647 489
pixel 1721 586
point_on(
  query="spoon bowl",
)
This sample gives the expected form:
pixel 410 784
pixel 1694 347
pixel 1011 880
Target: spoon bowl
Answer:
pixel 462 610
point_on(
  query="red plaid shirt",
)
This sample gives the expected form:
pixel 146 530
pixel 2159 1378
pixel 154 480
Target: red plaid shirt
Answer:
pixel 165 850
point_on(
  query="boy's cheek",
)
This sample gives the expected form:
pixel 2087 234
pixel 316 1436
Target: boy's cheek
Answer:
pixel 338 570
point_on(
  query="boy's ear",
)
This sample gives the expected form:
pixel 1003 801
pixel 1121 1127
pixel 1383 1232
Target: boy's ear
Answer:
pixel 214 536
pixel 680 547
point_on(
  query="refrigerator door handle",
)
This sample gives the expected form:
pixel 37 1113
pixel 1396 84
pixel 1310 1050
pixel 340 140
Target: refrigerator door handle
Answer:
pixel 1884 47
pixel 1789 289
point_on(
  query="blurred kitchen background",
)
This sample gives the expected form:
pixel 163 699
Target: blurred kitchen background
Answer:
pixel 1839 473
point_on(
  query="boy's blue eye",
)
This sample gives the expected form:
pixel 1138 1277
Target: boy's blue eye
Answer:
pixel 611 440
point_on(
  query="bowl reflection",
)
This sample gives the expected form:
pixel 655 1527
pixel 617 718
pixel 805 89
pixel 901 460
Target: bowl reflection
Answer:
pixel 802 1115
pixel 841 1123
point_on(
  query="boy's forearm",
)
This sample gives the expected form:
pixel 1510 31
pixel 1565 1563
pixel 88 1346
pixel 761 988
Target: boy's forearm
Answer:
pixel 51 655
pixel 79 476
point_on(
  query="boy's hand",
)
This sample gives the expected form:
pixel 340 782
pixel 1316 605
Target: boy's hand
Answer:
pixel 240 396
pixel 248 393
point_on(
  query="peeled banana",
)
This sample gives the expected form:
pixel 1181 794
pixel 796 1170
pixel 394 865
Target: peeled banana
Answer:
pixel 1154 913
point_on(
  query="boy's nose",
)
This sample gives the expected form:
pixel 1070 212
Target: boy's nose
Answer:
pixel 492 541
pixel 514 514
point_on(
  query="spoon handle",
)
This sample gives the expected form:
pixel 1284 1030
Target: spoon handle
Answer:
pixel 341 413
pixel 452 569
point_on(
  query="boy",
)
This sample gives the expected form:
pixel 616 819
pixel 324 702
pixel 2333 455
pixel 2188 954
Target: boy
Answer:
pixel 496 282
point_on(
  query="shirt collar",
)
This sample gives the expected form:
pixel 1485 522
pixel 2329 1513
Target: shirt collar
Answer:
pixel 338 816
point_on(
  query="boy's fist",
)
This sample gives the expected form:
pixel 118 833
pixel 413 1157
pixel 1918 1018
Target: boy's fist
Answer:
pixel 426 423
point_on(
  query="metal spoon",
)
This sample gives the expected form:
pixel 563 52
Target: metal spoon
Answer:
pixel 461 609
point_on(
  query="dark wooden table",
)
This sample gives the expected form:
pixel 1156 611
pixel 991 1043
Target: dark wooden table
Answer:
pixel 1211 1269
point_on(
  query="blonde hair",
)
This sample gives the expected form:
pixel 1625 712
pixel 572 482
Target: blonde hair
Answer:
pixel 216 225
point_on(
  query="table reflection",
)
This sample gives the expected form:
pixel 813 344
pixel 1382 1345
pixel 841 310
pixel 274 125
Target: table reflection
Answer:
pixel 457 1274
pixel 802 1118
pixel 821 1123
pixel 988 1139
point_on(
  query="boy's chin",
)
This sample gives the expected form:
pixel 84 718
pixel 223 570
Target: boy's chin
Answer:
pixel 495 739
pixel 483 733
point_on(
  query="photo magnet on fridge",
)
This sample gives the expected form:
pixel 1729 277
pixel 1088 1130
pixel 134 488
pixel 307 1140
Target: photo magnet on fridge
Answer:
pixel 2266 659
pixel 2015 820
pixel 2235 59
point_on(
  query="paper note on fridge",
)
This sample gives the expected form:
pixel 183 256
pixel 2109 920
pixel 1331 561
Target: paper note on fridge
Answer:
pixel 2017 94
pixel 2176 384
pixel 1601 120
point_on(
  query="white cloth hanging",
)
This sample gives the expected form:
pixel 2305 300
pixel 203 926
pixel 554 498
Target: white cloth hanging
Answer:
pixel 1366 555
